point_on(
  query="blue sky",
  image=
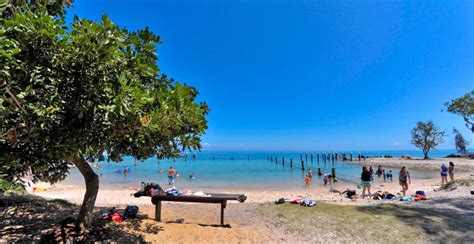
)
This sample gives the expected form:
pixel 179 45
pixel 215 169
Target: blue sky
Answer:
pixel 311 75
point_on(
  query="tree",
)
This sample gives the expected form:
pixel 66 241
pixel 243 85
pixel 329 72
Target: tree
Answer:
pixel 464 106
pixel 460 142
pixel 70 92
pixel 426 136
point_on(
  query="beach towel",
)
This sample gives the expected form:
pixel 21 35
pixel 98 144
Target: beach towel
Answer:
pixel 296 201
pixel 420 198
pixel 173 192
pixel 406 198
pixel 117 217
pixel 201 194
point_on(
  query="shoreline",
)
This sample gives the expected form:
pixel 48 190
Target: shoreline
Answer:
pixel 121 196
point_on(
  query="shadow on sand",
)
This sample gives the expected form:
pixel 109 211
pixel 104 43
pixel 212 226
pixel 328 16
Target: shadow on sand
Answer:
pixel 437 218
pixel 30 219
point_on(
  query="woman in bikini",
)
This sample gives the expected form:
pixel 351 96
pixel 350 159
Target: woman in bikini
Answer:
pixel 404 179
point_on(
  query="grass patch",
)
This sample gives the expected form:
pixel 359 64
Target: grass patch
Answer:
pixel 456 183
pixel 384 223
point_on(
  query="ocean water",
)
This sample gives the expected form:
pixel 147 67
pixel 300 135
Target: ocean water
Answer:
pixel 238 170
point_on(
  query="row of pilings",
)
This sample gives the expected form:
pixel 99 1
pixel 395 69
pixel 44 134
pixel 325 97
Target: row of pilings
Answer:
pixel 320 157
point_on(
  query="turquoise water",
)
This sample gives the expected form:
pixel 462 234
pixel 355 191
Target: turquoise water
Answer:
pixel 234 170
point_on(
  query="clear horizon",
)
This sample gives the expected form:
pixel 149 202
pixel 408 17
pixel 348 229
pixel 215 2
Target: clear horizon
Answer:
pixel 311 75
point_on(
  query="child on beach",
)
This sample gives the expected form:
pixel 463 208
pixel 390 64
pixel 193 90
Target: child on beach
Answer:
pixel 390 176
pixel 326 179
pixel 307 180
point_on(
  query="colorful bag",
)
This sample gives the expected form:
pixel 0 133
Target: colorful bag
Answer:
pixel 131 211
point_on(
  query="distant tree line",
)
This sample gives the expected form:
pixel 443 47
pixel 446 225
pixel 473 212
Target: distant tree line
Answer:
pixel 427 136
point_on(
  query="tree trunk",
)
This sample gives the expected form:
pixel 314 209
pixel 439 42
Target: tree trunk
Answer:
pixel 425 152
pixel 92 188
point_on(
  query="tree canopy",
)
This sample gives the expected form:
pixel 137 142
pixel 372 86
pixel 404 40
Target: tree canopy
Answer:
pixel 71 92
pixel 459 141
pixel 464 106
pixel 427 136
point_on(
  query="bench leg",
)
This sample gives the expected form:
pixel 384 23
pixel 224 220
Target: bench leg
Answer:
pixel 223 205
pixel 158 211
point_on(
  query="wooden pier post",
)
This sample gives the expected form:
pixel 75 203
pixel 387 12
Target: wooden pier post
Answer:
pixel 333 170
pixel 306 158
pixel 271 158
pixel 276 159
pixel 283 161
pixel 302 165
pixel 311 157
pixel 351 157
pixel 291 163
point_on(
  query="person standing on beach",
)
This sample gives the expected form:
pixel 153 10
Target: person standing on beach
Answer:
pixel 171 175
pixel 451 171
pixel 371 170
pixel 404 179
pixel 390 176
pixel 379 171
pixel 307 180
pixel 366 178
pixel 444 173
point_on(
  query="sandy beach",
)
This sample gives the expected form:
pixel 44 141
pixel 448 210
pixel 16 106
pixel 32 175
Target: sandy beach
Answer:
pixel 188 222
pixel 462 164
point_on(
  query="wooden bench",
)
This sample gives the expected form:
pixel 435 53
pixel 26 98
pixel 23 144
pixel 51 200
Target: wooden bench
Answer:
pixel 213 198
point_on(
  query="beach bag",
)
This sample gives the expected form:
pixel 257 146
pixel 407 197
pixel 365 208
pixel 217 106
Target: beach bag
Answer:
pixel 131 211
pixel 280 201
pixel 389 196
pixel 155 192
pixel 421 193
pixel 351 193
